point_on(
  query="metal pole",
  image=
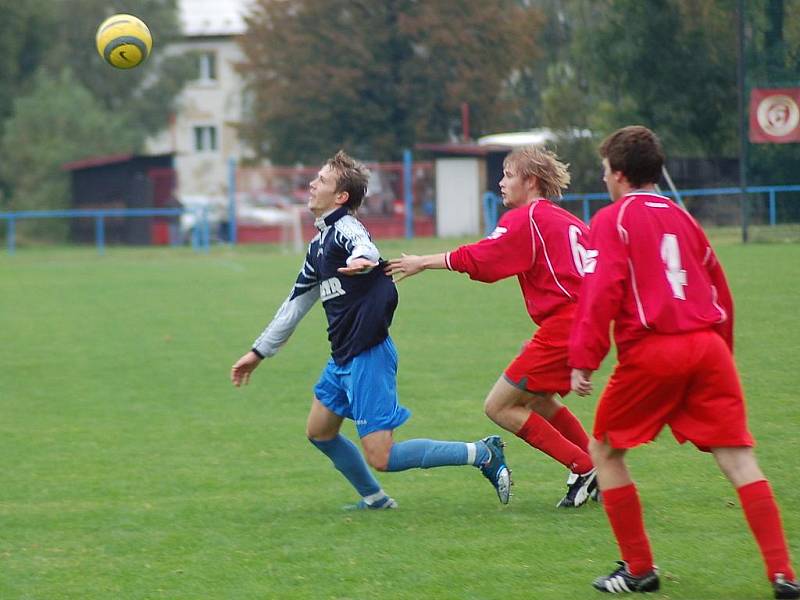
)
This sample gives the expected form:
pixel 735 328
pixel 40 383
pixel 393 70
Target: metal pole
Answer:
pixel 196 230
pixel 772 215
pixel 744 203
pixel 408 192
pixel 11 237
pixel 671 185
pixel 206 228
pixel 586 215
pixel 100 234
pixel 232 226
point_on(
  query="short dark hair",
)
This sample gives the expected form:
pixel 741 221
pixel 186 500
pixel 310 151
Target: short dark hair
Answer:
pixel 351 177
pixel 636 152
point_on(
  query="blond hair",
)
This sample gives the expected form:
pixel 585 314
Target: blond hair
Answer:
pixel 532 161
pixel 351 177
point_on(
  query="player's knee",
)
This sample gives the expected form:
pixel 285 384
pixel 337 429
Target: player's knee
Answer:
pixel 377 457
pixel 599 451
pixel 492 408
pixel 313 434
pixel 378 460
pixel 318 439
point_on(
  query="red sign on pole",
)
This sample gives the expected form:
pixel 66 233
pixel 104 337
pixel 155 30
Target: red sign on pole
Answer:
pixel 775 115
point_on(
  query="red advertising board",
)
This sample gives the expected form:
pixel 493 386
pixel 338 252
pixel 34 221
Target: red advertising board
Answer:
pixel 775 115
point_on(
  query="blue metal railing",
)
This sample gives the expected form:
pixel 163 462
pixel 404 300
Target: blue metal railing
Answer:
pixel 771 190
pixel 491 201
pixel 201 233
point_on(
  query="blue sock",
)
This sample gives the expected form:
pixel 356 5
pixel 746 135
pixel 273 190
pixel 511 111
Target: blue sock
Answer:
pixel 349 462
pixel 424 454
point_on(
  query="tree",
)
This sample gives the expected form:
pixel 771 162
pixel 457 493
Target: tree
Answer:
pixel 58 121
pixel 637 56
pixel 375 77
pixel 52 35
pixel 147 93
pixel 26 31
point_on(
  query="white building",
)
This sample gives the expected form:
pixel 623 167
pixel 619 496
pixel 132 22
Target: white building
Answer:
pixel 203 134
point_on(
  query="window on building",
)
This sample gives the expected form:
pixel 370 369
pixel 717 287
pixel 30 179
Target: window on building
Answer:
pixel 207 66
pixel 205 138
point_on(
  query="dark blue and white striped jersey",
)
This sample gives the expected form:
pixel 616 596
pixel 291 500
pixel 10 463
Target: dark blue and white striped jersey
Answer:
pixel 359 308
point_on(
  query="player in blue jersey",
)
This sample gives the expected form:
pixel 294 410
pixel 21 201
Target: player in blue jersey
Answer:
pixel 343 269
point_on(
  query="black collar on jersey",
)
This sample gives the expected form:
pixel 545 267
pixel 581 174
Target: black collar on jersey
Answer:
pixel 325 222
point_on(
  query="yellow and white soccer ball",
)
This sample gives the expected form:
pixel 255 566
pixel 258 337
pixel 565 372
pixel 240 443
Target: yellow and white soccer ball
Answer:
pixel 124 41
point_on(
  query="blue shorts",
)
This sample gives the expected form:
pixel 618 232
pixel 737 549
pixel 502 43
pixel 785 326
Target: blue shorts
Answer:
pixel 364 389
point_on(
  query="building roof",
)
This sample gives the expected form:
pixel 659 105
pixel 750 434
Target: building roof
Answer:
pixel 499 142
pixel 535 137
pixel 213 17
pixel 109 159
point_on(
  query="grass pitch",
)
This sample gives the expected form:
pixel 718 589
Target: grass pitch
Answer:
pixel 133 470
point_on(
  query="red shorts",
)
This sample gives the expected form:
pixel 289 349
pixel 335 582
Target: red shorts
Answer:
pixel 542 366
pixel 687 381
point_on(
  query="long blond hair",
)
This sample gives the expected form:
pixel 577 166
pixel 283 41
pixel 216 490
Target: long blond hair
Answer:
pixel 533 161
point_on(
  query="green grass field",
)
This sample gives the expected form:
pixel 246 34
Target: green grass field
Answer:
pixel 132 469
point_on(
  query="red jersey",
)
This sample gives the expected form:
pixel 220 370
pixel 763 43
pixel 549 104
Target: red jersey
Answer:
pixel 542 244
pixel 650 269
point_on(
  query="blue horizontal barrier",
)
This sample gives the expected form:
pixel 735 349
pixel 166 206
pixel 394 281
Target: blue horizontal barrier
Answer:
pixel 201 235
pixel 772 190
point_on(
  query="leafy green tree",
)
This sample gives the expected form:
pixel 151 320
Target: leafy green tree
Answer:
pixel 58 34
pixel 26 32
pixel 59 121
pixel 667 64
pixel 145 94
pixel 26 29
pixel 375 77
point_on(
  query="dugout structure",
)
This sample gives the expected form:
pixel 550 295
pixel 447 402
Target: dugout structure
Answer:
pixel 123 181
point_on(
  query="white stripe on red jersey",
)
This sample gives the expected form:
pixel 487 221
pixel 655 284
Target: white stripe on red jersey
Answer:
pixel 542 244
pixel 655 273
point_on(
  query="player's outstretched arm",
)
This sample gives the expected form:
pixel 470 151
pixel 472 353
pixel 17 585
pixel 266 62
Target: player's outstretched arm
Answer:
pixel 241 370
pixel 411 264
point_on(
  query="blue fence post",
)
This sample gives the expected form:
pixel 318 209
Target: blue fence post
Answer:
pixel 408 192
pixel 196 230
pixel 11 237
pixel 490 210
pixel 772 208
pixel 586 215
pixel 206 228
pixel 100 234
pixel 232 225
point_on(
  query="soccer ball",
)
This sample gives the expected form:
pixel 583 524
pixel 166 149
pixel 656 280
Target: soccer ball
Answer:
pixel 123 41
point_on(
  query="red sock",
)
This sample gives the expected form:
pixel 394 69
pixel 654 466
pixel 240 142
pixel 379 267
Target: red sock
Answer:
pixel 571 428
pixel 764 518
pixel 539 433
pixel 624 512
